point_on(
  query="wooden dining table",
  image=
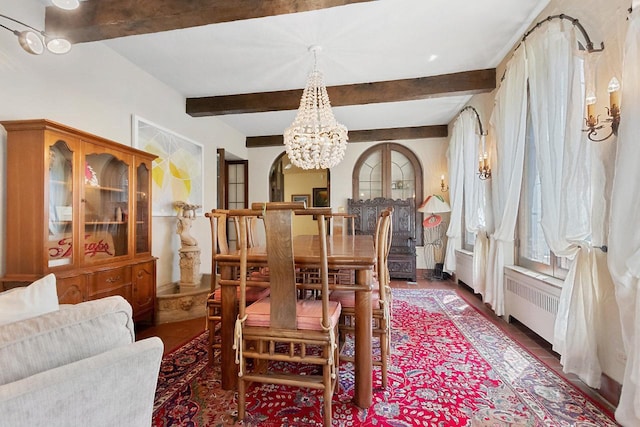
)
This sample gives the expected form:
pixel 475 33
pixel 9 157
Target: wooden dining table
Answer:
pixel 345 252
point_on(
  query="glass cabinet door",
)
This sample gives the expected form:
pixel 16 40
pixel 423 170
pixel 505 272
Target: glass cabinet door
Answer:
pixel 60 204
pixel 370 177
pixel 402 176
pixel 106 207
pixel 142 208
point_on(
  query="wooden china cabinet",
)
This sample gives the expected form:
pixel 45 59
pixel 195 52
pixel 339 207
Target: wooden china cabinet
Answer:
pixel 79 206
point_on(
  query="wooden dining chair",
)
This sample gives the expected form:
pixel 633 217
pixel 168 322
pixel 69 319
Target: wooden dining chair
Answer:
pixel 380 298
pixel 282 328
pixel 220 245
pixel 342 223
pixel 251 224
pixel 255 273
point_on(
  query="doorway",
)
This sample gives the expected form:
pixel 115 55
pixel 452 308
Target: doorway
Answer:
pixel 290 183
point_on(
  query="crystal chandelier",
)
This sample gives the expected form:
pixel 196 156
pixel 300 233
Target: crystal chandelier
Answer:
pixel 315 140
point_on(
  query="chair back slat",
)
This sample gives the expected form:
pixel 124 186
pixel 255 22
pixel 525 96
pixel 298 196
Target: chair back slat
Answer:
pixel 219 242
pixel 218 221
pixel 279 235
pixel 342 223
pixel 252 239
pixel 242 243
pixel 324 269
pixel 382 252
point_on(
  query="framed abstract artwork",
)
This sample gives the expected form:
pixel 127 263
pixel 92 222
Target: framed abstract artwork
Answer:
pixel 177 172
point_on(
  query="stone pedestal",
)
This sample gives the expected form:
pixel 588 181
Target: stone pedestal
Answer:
pixel 174 304
pixel 189 267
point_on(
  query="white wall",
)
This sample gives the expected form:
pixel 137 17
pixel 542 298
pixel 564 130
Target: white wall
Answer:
pixel 431 152
pixel 96 90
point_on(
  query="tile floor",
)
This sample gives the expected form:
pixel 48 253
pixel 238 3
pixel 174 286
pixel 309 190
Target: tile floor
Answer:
pixel 175 334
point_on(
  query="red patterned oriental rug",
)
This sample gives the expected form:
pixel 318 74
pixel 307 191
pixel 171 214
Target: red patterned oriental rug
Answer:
pixel 450 366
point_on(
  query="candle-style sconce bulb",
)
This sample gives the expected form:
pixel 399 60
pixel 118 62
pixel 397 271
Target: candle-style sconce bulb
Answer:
pixel 592 121
pixel 443 187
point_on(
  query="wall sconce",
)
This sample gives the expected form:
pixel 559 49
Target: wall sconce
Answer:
pixel 613 112
pixel 484 168
pixel 34 41
pixel 443 187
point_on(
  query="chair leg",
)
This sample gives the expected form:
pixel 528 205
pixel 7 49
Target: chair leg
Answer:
pixel 328 394
pixel 384 357
pixel 213 322
pixel 329 383
pixel 241 399
pixel 336 361
pixel 212 338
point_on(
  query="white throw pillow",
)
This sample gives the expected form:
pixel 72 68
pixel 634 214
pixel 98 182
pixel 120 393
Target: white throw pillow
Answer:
pixel 38 298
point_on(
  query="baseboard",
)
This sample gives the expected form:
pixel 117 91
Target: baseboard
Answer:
pixel 610 389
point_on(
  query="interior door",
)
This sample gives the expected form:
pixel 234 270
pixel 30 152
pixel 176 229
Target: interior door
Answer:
pixel 237 191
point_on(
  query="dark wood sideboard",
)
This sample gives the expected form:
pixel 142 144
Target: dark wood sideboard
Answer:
pixel 402 256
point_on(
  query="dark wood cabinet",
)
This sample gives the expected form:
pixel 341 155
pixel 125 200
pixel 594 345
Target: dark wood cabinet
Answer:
pixel 402 256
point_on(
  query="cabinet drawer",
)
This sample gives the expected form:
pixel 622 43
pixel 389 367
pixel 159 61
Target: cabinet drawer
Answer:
pixel 116 281
pixel 71 290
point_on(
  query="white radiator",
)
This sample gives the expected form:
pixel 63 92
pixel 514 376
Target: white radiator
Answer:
pixel 532 299
pixel 464 267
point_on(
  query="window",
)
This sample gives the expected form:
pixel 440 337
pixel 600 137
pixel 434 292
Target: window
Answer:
pixel 533 251
pixel 469 240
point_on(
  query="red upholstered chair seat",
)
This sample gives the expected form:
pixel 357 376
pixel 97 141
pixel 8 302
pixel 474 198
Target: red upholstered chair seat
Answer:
pixel 308 313
pixel 347 299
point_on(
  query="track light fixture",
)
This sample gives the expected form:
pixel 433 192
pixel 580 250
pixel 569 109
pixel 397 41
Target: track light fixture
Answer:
pixel 66 4
pixel 35 41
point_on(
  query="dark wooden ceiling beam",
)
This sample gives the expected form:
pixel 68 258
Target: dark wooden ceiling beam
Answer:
pixel 391 134
pixel 463 83
pixel 107 19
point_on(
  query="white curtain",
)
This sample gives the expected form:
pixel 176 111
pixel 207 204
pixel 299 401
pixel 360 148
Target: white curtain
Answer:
pixel 480 258
pixel 508 122
pixel 556 104
pixel 456 178
pixel 473 215
pixel 624 225
pixel 474 194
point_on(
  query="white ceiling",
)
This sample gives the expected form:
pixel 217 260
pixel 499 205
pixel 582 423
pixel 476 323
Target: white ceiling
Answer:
pixel 363 42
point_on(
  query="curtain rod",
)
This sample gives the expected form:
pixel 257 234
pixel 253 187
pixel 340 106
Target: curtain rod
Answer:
pixel 470 107
pixel 574 21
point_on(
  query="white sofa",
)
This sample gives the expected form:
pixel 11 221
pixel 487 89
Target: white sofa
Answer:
pixel 78 366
